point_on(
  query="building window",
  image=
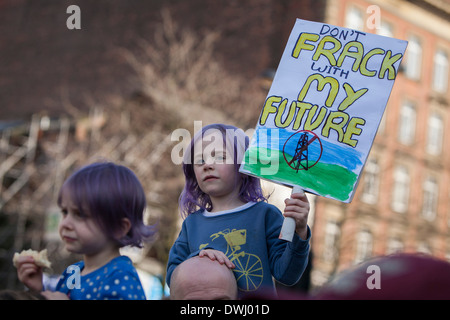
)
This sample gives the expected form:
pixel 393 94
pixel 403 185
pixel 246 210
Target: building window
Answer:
pixel 440 71
pixel 407 126
pixel 400 193
pixel 354 19
pixel 424 247
pixel 332 234
pixel 394 245
pixel 430 198
pixel 386 29
pixel 364 244
pixel 435 134
pixel 371 181
pixel 413 58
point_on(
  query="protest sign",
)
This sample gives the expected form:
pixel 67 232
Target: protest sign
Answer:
pixel 323 109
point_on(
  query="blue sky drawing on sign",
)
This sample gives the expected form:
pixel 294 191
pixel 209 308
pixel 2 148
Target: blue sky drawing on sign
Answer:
pixel 343 156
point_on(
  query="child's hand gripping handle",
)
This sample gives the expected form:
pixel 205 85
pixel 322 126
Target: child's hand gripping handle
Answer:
pixel 288 227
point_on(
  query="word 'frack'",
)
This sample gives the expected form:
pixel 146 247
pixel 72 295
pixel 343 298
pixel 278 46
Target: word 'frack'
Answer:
pixel 328 46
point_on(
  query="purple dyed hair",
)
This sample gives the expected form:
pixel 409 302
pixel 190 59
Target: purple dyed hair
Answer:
pixel 192 197
pixel 108 193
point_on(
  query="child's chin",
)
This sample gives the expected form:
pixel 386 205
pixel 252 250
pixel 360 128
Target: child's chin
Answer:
pixel 71 249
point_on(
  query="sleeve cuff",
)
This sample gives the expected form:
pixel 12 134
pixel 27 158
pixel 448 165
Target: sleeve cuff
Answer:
pixel 298 244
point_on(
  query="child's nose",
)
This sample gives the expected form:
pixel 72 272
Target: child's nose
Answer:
pixel 65 222
pixel 208 165
pixel 209 161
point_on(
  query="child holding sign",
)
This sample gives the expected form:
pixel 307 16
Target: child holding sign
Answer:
pixel 102 208
pixel 228 220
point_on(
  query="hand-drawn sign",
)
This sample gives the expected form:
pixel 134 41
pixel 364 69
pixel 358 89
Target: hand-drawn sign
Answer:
pixel 323 109
pixel 301 159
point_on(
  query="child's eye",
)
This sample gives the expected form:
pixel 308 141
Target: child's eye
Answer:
pixel 74 213
pixel 80 214
pixel 77 213
pixel 199 161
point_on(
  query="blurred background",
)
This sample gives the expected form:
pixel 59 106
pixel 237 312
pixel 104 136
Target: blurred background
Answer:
pixel 137 70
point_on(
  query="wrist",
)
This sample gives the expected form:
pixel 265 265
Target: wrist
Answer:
pixel 302 233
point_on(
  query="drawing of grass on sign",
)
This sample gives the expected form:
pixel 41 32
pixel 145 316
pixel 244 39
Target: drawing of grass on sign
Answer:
pixel 326 179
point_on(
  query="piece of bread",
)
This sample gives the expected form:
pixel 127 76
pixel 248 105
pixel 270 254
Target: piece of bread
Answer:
pixel 40 258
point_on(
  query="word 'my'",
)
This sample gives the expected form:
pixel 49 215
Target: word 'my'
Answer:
pixel 312 116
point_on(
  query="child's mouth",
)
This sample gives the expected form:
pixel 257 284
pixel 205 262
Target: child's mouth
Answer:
pixel 68 239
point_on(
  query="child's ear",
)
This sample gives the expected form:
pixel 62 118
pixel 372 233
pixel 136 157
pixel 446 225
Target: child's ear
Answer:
pixel 125 226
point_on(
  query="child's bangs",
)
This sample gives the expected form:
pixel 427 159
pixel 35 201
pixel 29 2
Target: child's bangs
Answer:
pixel 235 142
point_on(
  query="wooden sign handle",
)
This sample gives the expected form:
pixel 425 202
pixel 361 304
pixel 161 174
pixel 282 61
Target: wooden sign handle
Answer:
pixel 288 227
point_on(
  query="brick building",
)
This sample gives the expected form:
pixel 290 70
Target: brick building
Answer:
pixel 402 201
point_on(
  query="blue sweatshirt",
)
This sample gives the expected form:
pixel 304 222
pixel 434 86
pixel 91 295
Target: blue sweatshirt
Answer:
pixel 248 235
pixel 116 280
